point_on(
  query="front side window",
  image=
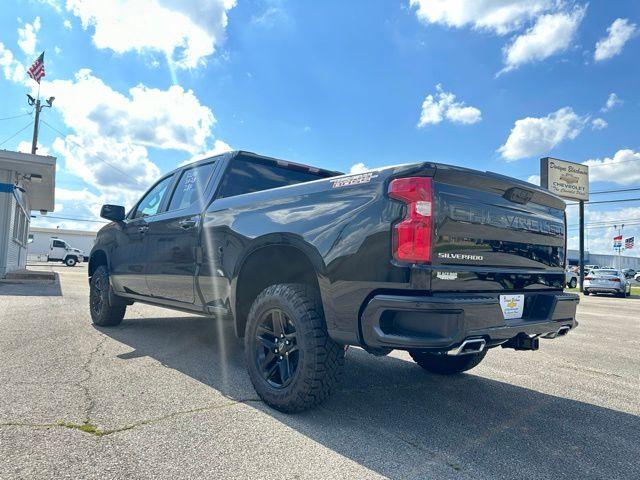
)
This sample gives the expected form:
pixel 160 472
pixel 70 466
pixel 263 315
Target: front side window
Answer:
pixel 190 188
pixel 150 203
pixel 58 244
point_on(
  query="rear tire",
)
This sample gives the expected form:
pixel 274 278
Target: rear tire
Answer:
pixel 446 364
pixel 102 312
pixel 293 363
pixel 586 292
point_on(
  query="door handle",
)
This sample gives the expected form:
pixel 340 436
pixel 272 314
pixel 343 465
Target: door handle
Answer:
pixel 188 223
pixel 143 228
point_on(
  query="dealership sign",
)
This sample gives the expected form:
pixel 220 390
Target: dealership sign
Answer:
pixel 565 179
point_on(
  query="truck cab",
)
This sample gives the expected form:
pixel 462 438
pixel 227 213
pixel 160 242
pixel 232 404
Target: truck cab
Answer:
pixel 60 251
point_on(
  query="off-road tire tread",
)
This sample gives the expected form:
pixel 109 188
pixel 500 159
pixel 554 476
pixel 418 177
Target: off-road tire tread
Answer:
pixel 109 316
pixel 322 373
pixel 447 364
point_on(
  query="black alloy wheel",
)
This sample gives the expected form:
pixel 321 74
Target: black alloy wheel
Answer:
pixel 277 353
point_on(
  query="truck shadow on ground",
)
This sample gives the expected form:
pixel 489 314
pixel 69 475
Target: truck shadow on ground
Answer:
pixel 399 421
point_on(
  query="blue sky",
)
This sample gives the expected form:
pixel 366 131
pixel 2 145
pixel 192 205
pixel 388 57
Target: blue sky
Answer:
pixel 147 84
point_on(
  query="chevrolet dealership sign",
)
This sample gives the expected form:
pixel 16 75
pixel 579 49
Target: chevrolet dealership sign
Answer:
pixel 565 179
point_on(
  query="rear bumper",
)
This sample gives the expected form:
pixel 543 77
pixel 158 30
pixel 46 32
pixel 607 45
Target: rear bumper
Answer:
pixel 605 289
pixel 444 322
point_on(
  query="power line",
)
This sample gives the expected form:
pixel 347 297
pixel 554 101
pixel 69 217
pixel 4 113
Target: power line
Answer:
pixel 609 201
pixel 82 147
pixel 70 218
pixel 577 227
pixel 615 191
pixel 16 116
pixel 612 222
pixel 18 132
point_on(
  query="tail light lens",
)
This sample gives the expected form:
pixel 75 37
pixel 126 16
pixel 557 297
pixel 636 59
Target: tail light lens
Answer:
pixel 588 278
pixel 412 236
pixel 615 280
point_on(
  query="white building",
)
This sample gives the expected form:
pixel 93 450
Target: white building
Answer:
pixel 27 182
pixel 40 240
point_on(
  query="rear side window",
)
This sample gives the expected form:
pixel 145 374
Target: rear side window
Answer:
pixel 191 186
pixel 253 176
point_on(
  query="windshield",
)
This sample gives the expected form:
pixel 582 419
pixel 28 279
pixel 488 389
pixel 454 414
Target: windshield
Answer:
pixel 606 272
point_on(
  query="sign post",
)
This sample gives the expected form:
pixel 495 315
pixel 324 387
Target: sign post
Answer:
pixel 571 181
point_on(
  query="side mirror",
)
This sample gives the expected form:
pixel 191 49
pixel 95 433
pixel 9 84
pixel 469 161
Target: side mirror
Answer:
pixel 112 212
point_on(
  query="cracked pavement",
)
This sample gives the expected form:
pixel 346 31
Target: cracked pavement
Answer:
pixel 165 395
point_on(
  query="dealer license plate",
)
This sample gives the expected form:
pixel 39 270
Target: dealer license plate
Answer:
pixel 512 306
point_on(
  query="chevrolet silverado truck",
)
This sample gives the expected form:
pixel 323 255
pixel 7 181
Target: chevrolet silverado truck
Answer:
pixel 443 262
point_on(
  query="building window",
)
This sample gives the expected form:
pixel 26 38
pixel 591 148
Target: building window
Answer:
pixel 20 226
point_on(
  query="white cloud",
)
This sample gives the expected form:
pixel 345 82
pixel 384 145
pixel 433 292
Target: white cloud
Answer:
pixel 535 179
pixel 186 31
pixel 358 168
pixel 533 136
pixel 93 159
pixel 27 36
pixel 552 33
pixel 55 4
pixel 612 101
pixel 444 105
pixel 600 230
pixel 67 24
pixel 172 118
pixel 623 168
pixel 13 70
pixel 501 16
pixel 25 147
pixel 219 147
pixel 620 32
pixel 79 204
pixel 598 124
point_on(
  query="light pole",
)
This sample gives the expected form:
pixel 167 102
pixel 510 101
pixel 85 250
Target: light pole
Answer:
pixel 38 108
pixel 620 246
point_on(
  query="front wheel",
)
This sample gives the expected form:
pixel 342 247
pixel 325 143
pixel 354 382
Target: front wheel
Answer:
pixel 70 261
pixel 573 283
pixel 102 312
pixel 446 364
pixel 293 363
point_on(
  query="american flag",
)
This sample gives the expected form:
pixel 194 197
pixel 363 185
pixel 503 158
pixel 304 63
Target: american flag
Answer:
pixel 628 242
pixel 36 71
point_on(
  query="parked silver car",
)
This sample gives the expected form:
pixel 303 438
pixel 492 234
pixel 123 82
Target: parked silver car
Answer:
pixel 607 281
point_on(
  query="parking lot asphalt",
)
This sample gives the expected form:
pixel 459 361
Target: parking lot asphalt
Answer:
pixel 165 395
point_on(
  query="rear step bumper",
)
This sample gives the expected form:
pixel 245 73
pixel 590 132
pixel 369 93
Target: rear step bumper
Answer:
pixel 456 324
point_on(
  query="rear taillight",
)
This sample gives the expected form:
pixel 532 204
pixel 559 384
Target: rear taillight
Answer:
pixel 588 278
pixel 412 236
pixel 615 280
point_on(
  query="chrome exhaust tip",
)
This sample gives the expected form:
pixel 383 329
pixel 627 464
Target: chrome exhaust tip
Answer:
pixel 561 332
pixel 469 346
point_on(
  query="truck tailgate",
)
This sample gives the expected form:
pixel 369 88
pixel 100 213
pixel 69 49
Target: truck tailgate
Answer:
pixel 494 233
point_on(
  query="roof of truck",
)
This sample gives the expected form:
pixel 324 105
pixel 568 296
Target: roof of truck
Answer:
pixel 263 158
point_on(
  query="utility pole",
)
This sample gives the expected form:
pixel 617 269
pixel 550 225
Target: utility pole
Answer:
pixel 34 142
pixel 581 245
pixel 620 247
pixel 35 102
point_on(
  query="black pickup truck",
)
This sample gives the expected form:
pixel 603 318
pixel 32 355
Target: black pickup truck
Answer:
pixel 441 261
